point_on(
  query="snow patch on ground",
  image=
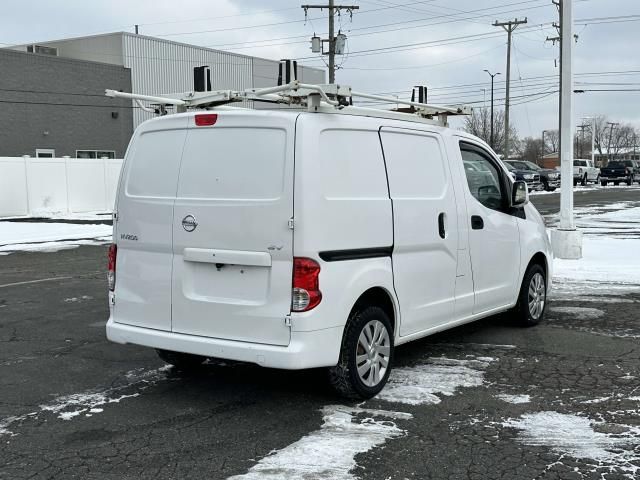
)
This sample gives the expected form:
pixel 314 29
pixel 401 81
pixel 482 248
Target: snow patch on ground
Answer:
pixel 328 453
pixel 604 260
pixel 68 407
pixel 420 384
pixel 515 399
pixel 50 237
pixel 612 446
pixel 581 313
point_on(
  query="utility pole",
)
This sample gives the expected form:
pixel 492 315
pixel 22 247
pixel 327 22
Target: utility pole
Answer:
pixel 332 39
pixel 612 125
pixel 492 75
pixel 566 240
pixel 508 27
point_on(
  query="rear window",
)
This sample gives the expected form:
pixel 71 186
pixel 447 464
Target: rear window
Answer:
pixel 153 164
pixel 627 163
pixel 233 163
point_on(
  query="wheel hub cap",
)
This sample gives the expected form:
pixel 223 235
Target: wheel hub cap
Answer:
pixel 372 353
pixel 537 296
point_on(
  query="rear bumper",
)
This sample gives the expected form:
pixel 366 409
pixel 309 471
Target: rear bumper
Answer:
pixel 319 348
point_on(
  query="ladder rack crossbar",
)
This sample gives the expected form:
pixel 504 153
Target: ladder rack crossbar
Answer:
pixel 338 96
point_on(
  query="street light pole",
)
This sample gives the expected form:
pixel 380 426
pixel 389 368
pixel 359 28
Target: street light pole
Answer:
pixel 492 75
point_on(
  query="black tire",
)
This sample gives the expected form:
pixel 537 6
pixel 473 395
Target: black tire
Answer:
pixel 344 377
pixel 545 184
pixel 630 181
pixel 553 189
pixel 597 179
pixel 616 183
pixel 603 183
pixel 584 180
pixel 522 310
pixel 182 361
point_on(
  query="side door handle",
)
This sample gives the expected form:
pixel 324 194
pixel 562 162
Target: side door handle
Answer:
pixel 441 230
pixel 476 222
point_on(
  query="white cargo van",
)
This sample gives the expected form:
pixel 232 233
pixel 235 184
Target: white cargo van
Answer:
pixel 296 239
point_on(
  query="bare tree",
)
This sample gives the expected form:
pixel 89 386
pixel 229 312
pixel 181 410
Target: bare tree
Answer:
pixel 532 149
pixel 479 124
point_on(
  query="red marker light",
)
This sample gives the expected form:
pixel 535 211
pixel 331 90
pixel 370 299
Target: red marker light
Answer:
pixel 206 119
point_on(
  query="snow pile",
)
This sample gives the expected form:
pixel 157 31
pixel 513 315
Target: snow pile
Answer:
pixel 420 384
pixel 610 246
pixel 328 453
pixel 581 438
pixel 514 399
pixel 31 236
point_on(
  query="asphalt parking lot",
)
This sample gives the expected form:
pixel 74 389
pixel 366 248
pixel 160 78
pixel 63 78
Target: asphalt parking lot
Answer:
pixel 483 401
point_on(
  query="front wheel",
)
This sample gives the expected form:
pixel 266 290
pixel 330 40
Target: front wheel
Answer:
pixel 182 361
pixel 365 356
pixel 532 299
pixel 584 180
pixel 603 183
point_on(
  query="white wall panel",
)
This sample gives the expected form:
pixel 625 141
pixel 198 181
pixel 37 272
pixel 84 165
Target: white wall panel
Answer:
pixel 13 187
pixel 43 186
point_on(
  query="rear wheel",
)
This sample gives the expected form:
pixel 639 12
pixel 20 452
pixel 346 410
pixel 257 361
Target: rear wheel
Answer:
pixel 532 299
pixel 603 183
pixel 365 356
pixel 616 183
pixel 584 180
pixel 182 361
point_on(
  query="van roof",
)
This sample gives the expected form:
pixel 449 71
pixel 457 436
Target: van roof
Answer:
pixel 294 113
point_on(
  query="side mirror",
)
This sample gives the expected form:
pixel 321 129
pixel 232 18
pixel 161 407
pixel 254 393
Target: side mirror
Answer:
pixel 519 194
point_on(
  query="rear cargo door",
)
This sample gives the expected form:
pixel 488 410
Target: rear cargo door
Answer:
pixel 233 248
pixel 145 222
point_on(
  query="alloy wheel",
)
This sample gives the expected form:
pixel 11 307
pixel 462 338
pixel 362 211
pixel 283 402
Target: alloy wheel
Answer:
pixel 537 296
pixel 372 353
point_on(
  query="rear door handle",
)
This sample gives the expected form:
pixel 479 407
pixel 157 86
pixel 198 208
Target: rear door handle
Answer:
pixel 441 230
pixel 476 222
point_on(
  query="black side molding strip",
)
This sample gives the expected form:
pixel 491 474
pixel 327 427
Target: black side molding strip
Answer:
pixel 356 254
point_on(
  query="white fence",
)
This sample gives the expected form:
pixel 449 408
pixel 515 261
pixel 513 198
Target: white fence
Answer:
pixel 41 186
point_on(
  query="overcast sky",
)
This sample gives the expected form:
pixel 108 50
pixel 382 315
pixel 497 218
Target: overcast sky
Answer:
pixel 455 43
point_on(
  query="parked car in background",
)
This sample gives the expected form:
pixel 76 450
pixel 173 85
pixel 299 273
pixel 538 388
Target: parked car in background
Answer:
pixel 585 171
pixel 531 179
pixel 627 171
pixel 549 178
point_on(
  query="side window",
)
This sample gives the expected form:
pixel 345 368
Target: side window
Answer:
pixel 483 178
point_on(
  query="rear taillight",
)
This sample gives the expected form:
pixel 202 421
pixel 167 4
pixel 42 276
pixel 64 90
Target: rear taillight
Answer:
pixel 111 266
pixel 306 285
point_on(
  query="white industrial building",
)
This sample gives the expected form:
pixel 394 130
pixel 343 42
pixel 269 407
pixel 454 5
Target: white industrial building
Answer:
pixel 161 66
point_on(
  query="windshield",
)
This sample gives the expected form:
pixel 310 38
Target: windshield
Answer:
pixel 579 163
pixel 509 166
pixel 532 166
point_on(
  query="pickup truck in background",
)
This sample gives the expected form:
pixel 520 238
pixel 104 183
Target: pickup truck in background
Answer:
pixel 531 179
pixel 626 171
pixel 584 171
pixel 550 179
